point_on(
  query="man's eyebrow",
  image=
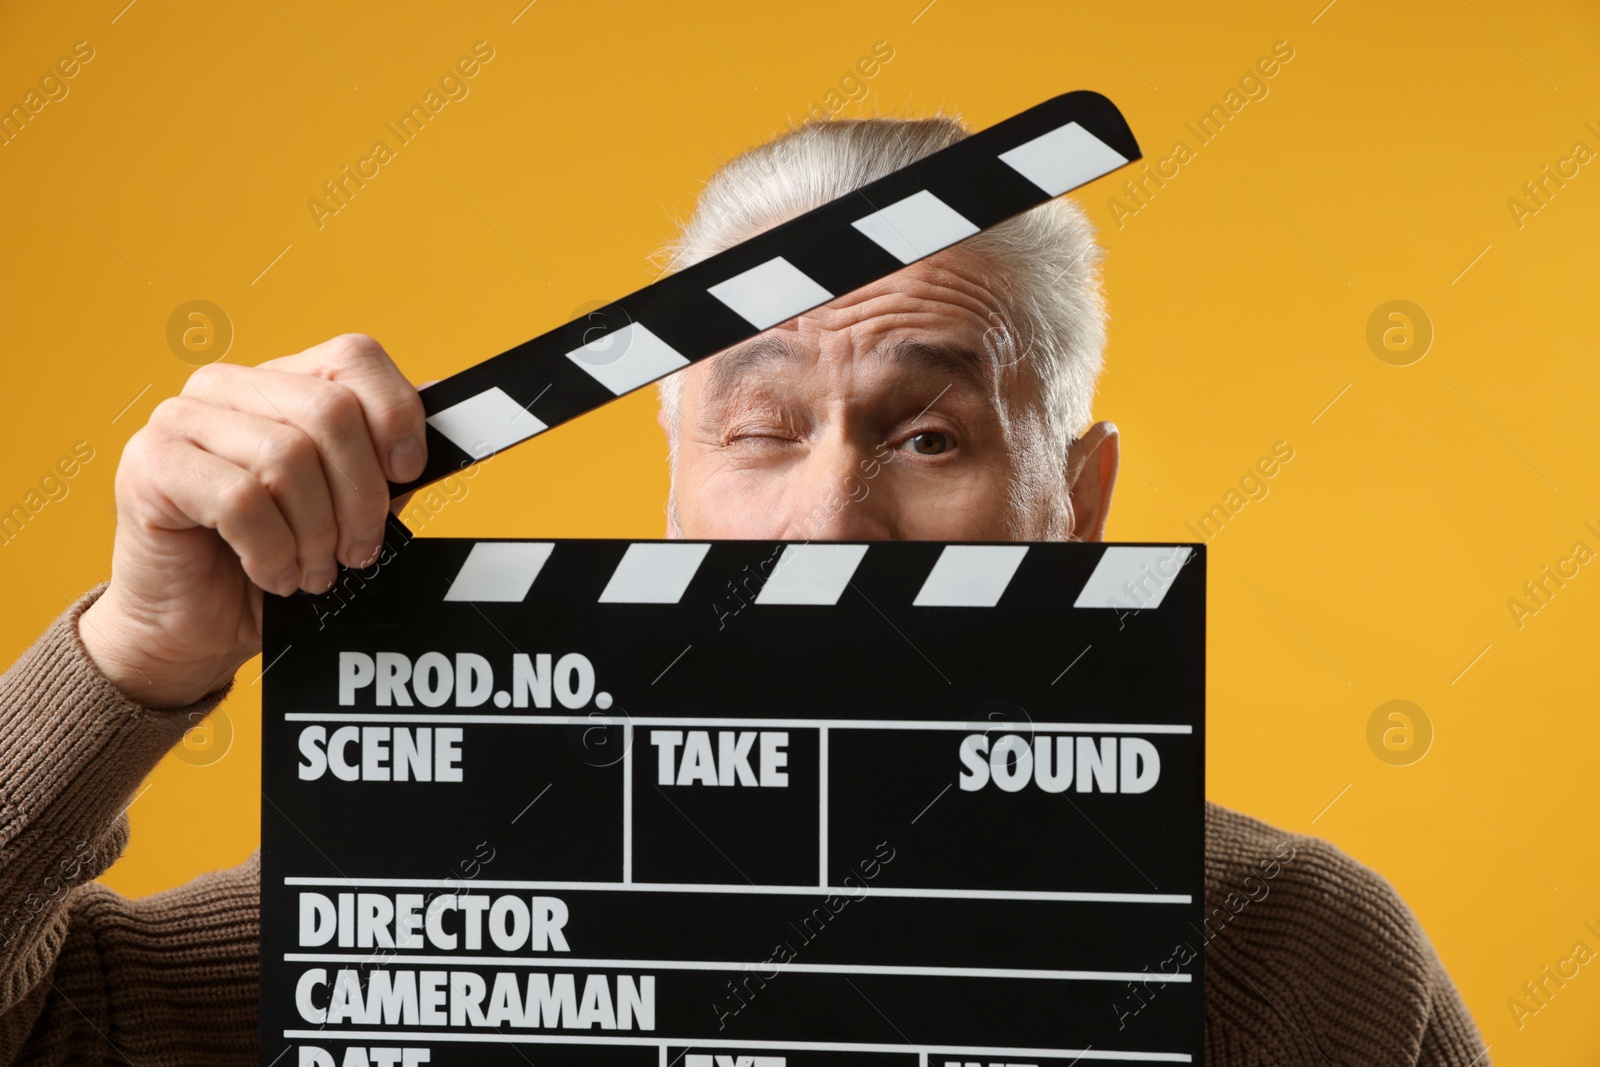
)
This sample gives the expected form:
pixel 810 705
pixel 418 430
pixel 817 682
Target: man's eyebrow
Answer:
pixel 954 361
pixel 731 366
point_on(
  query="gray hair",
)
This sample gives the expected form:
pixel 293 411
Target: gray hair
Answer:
pixel 1054 316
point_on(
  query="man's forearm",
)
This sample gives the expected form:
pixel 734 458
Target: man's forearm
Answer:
pixel 73 751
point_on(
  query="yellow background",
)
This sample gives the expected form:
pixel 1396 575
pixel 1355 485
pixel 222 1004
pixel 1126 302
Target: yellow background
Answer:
pixel 1378 167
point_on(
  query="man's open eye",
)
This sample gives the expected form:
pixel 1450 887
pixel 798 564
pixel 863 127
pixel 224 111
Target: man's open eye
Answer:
pixel 929 443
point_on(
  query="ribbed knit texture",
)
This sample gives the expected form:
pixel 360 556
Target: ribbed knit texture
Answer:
pixel 1311 958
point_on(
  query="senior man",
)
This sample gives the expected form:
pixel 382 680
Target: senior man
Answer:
pixel 967 378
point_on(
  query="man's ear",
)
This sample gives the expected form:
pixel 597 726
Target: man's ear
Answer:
pixel 1092 463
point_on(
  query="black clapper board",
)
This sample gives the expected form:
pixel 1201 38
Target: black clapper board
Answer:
pixel 740 804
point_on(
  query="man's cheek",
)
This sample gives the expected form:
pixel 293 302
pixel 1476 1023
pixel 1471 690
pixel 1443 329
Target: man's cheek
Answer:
pixel 725 504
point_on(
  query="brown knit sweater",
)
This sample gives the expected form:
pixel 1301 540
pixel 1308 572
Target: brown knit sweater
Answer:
pixel 1311 958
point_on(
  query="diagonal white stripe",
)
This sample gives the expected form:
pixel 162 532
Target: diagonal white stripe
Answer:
pixel 654 573
pixel 623 360
pixel 811 574
pixel 1133 577
pixel 1063 159
pixel 774 292
pixel 499 571
pixel 970 576
pixel 486 423
pixel 917 226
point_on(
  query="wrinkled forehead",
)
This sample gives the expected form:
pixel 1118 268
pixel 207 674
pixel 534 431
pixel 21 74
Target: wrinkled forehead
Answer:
pixel 945 313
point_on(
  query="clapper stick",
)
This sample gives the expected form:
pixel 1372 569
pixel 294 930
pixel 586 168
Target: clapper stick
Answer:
pixel 839 247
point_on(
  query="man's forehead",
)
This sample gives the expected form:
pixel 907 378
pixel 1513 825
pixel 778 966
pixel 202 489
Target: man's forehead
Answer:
pixel 936 315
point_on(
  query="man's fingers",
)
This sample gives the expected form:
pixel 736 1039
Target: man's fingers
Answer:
pixel 332 417
pixel 389 403
pixel 194 488
pixel 283 459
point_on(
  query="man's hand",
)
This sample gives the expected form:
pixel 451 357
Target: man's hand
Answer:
pixel 253 478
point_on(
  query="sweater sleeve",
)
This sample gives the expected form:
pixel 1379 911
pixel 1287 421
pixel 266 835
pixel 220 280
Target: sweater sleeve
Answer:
pixel 88 976
pixel 1313 958
pixel 1450 1038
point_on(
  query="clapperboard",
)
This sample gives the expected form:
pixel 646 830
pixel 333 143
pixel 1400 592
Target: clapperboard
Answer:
pixel 740 804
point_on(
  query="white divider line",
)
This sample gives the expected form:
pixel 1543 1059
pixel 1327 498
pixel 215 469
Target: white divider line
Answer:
pixel 1115 1055
pixel 627 802
pixel 663 1056
pixel 1056 896
pixel 554 961
pixel 822 808
pixel 779 724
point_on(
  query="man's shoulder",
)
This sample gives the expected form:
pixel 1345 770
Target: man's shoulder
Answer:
pixel 1306 944
pixel 1325 880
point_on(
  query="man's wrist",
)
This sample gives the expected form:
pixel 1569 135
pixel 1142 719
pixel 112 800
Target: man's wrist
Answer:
pixel 141 678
